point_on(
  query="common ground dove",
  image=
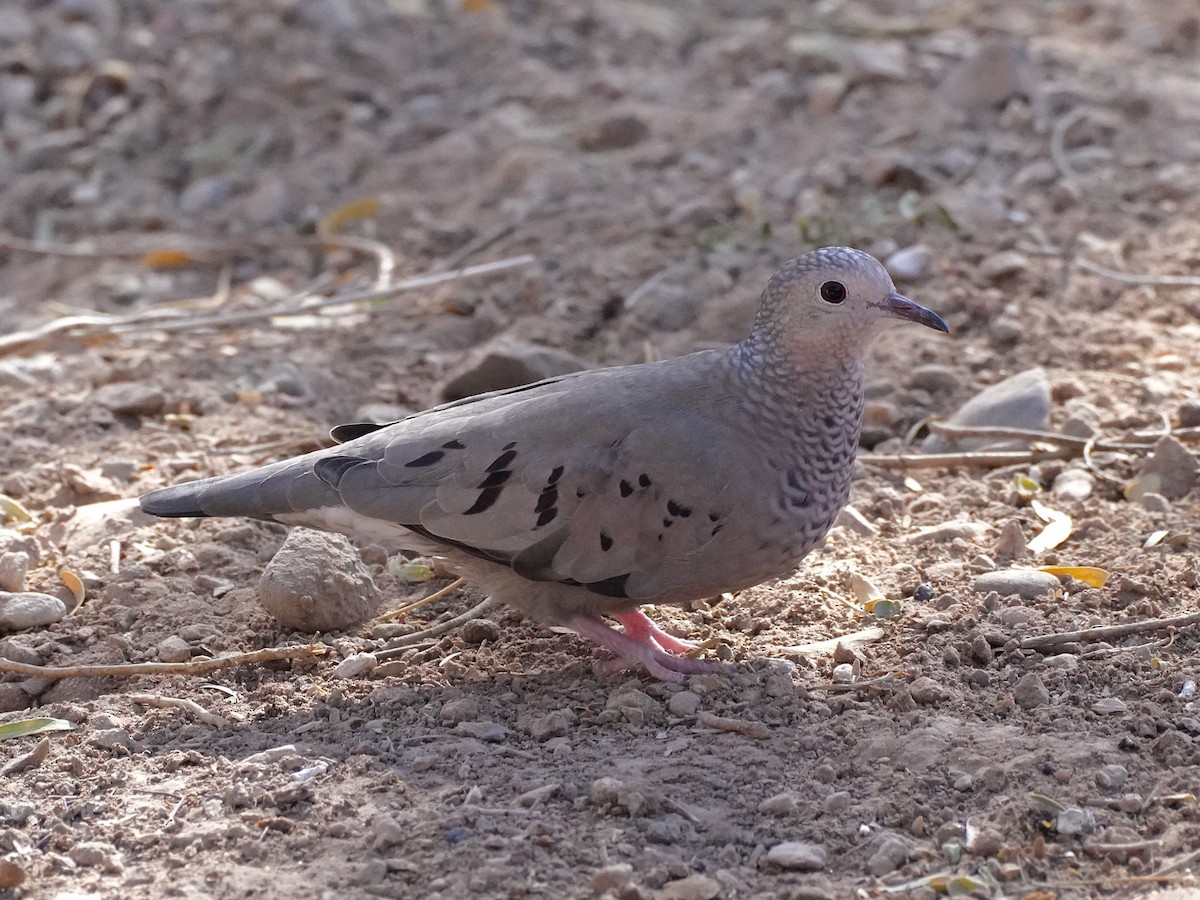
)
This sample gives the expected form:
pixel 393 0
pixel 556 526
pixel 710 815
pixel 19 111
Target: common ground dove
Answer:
pixel 591 494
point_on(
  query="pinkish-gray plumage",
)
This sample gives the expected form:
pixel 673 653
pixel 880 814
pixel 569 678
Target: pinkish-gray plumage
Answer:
pixel 597 492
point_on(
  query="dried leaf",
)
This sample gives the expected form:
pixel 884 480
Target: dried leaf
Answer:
pixel 1137 488
pixel 36 725
pixel 13 510
pixel 1026 487
pixel 912 484
pixel 864 590
pixel 1089 575
pixel 167 259
pixel 1057 530
pixel 337 220
pixel 408 572
pixel 1155 538
pixel 75 585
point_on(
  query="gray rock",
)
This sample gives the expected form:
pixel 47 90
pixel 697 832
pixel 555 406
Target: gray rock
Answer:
pixel 890 852
pixel 995 73
pixel 504 364
pixel 926 691
pixel 26 609
pixel 1189 413
pixel 71 48
pixel 665 306
pixel 1029 584
pixel 910 264
pixel 130 398
pixel 16 650
pixel 1022 401
pixel 16 25
pixel 1073 821
pixel 934 378
pixel 98 855
pixel 464 709
pixel 615 132
pixel 782 804
pixel 798 856
pixel 1112 777
pixel 1074 484
pixel 174 649
pixel 204 194
pixel 1030 692
pixel 317 582
pixel 13 697
pixel 355 665
pixel 477 631
pixel 1002 266
pixel 1173 466
pixel 14 566
pixel 683 704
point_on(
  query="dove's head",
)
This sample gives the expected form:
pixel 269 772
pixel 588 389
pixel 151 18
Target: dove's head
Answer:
pixel 833 301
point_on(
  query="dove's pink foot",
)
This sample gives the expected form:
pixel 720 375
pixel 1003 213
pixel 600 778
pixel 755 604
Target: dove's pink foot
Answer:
pixel 641 642
pixel 639 625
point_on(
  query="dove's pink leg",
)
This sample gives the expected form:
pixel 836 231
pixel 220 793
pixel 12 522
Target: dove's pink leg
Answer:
pixel 639 625
pixel 640 647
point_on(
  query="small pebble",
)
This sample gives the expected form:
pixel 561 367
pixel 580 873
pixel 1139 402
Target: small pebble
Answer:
pixel 838 801
pixel 910 264
pixel 464 709
pixel 1028 584
pixel 1030 692
pixel 1174 465
pixel 683 704
pixel 926 691
pixel 552 724
pixel 923 592
pixel 174 649
pixel 1003 265
pixel 478 631
pixel 691 887
pixel 782 804
pixel 1112 777
pixel 615 132
pixel 355 665
pixel 843 673
pixel 98 855
pixel 130 398
pixel 1065 661
pixel 458 834
pixel 14 567
pixel 387 832
pixel 798 856
pixel 891 852
pixel 1074 821
pixel 611 879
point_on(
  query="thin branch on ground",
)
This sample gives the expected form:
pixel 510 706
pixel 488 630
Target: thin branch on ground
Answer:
pixel 403 644
pixel 191 707
pixel 194 667
pixel 407 608
pixel 1108 632
pixel 952 431
pixel 985 460
pixel 102 326
pixel 1135 279
pixel 1058 148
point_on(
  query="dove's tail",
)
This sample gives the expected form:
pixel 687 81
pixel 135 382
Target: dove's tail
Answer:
pixel 283 488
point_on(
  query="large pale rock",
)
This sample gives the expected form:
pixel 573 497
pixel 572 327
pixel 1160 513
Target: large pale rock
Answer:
pixel 317 582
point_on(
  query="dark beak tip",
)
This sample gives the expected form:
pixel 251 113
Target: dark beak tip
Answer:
pixel 903 308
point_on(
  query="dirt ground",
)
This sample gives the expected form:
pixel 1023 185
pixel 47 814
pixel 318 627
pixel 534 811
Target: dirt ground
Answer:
pixel 659 161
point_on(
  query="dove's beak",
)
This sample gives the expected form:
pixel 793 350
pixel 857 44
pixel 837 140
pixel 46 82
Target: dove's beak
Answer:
pixel 900 307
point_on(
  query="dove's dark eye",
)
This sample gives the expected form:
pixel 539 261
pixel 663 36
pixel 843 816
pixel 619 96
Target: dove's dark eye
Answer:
pixel 833 292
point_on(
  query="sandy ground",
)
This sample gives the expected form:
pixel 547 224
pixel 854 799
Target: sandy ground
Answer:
pixel 659 161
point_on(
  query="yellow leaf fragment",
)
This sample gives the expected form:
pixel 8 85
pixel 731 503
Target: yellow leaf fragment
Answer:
pixel 334 222
pixel 75 585
pixel 1089 575
pixel 1057 530
pixel 167 259
pixel 478 6
pixel 36 725
pixel 14 510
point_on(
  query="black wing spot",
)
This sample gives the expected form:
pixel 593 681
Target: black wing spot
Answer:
pixel 510 445
pixel 677 509
pixel 714 517
pixel 644 480
pixel 547 500
pixel 717 529
pixel 609 587
pixel 626 488
pixel 484 501
pixel 547 516
pixel 502 461
pixel 495 479
pixel 793 481
pixel 667 523
pixel 580 493
pixel 427 460
pixel 454 445
pixel 606 542
pixel 829 421
pixel 555 474
pixel 331 469
pixel 801 501
pixel 352 430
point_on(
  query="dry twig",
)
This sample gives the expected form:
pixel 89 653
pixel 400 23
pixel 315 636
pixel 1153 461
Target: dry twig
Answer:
pixel 404 610
pixel 194 667
pixel 1108 632
pixel 403 644
pixel 986 460
pixel 197 711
